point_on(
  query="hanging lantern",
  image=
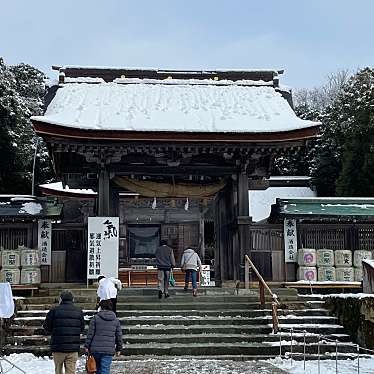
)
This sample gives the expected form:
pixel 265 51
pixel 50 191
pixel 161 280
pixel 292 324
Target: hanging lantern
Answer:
pixel 205 203
pixel 172 203
pixel 154 204
pixel 187 204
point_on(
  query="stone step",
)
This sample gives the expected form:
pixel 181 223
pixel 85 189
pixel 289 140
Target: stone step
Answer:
pixel 161 349
pixel 226 329
pixel 46 307
pixel 241 337
pixel 43 313
pixel 229 338
pixel 218 323
pixel 55 299
pixel 191 320
pixel 186 321
pixel 189 312
pixel 168 304
pixel 296 356
pixel 76 292
pixel 198 328
pixel 200 298
pixel 206 349
pixel 40 340
pixel 161 329
pixel 146 291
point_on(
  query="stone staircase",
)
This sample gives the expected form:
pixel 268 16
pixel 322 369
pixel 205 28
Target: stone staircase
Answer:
pixel 219 323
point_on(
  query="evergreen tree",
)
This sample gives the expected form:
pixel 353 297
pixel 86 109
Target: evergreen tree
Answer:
pixel 356 117
pixel 311 104
pixel 21 96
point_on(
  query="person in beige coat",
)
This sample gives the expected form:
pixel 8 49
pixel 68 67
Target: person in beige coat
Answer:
pixel 191 263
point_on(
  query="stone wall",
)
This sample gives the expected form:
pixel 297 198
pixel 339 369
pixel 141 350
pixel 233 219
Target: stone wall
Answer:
pixel 356 314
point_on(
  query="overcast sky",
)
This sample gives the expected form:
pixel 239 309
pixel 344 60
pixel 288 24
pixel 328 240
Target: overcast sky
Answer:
pixel 308 38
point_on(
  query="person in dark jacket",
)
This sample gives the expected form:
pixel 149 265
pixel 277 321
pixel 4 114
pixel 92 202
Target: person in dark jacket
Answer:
pixel 165 262
pixel 104 337
pixel 65 323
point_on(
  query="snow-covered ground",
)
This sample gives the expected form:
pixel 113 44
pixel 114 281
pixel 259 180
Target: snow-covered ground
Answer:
pixel 30 364
pixel 44 365
pixel 326 366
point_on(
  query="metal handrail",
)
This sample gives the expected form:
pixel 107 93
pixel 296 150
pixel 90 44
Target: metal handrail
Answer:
pixel 262 286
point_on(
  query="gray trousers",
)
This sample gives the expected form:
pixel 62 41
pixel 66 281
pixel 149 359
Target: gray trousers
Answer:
pixel 163 280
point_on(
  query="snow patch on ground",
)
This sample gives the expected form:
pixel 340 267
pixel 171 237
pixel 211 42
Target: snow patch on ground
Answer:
pixel 29 363
pixel 326 366
pixel 44 365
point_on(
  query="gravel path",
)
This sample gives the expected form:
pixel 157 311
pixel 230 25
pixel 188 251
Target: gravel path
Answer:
pixel 193 366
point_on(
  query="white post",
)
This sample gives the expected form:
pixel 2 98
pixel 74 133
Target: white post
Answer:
pixel 246 274
pixel 291 344
pixel 319 352
pixel 358 359
pixel 336 356
pixel 304 348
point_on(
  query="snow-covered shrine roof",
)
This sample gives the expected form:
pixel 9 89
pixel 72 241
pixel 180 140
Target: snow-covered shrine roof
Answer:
pixel 172 105
pixel 25 207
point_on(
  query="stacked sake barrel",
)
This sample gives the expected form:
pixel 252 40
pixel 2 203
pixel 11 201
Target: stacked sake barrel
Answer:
pixel 21 265
pixel 358 256
pixel 306 259
pixel 343 263
pixel 10 262
pixel 325 264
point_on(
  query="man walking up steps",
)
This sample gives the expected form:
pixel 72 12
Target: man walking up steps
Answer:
pixel 165 262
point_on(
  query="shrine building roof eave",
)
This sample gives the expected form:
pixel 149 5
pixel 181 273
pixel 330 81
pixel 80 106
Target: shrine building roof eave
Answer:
pixel 58 193
pixel 46 130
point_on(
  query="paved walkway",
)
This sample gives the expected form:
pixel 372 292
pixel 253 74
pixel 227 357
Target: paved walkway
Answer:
pixel 193 366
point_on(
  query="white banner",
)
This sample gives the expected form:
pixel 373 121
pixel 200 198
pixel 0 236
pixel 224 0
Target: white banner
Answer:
pixel 290 240
pixel 103 244
pixel 45 240
pixel 205 276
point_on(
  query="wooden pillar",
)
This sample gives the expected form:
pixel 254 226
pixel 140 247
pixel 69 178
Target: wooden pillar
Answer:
pixel 103 194
pixel 243 221
pixel 235 247
pixel 202 236
pixel 114 201
pixel 219 232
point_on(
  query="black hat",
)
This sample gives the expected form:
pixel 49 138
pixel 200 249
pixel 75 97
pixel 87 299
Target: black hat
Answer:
pixel 66 296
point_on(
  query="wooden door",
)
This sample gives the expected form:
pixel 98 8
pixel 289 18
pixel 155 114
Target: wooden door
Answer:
pixel 58 268
pixel 71 240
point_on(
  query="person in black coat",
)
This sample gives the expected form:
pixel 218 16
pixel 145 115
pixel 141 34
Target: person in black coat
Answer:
pixel 104 337
pixel 65 323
